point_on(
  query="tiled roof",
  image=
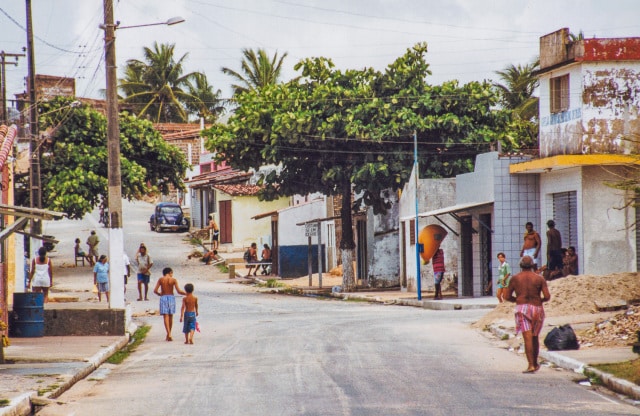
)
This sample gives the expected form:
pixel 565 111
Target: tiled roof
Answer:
pixel 219 177
pixel 239 189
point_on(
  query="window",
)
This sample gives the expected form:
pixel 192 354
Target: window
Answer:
pixel 559 92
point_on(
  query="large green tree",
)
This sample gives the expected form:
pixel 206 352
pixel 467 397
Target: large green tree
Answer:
pixel 74 158
pixel 257 70
pixel 351 132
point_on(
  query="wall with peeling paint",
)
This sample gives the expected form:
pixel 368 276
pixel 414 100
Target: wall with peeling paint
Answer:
pixel 603 114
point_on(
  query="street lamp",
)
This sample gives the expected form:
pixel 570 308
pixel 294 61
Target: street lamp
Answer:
pixel 116 240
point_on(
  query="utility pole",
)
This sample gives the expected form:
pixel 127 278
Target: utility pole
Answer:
pixel 116 237
pixel 34 177
pixel 3 82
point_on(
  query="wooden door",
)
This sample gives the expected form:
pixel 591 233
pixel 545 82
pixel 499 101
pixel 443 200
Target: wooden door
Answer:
pixel 226 230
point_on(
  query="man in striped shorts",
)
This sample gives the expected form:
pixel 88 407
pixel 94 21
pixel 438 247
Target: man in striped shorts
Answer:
pixel 530 292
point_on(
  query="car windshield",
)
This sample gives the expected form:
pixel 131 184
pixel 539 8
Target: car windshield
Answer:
pixel 171 210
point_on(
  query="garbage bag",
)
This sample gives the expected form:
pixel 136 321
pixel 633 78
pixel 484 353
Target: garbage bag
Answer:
pixel 561 338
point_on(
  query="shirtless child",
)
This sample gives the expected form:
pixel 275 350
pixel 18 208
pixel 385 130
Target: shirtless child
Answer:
pixel 189 312
pixel 164 289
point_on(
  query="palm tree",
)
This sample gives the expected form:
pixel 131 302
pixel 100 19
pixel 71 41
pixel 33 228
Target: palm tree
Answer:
pixel 204 101
pixel 155 87
pixel 516 91
pixel 257 70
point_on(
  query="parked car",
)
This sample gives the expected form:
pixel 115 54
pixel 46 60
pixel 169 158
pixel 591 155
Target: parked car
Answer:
pixel 168 216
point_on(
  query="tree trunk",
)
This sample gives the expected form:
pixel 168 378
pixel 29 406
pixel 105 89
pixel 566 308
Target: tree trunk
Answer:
pixel 347 245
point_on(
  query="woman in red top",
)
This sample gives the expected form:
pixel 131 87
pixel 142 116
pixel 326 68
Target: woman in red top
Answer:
pixel 438 272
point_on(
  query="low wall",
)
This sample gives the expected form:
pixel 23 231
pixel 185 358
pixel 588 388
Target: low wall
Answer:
pixel 62 322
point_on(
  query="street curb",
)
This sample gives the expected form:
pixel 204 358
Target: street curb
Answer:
pixel 611 382
pixel 22 406
pixel 437 305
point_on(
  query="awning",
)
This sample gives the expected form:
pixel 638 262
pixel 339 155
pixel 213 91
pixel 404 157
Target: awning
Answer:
pixel 547 164
pixel 453 211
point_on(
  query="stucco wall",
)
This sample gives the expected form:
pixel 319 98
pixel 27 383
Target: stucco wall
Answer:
pixel 432 194
pixel 606 240
pixel 609 241
pixel 604 100
pixel 383 263
pixel 246 230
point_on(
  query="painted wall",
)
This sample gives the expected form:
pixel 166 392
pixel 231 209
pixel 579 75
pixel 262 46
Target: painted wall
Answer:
pixel 604 100
pixel 246 230
pixel 432 194
pixel 383 262
pixel 605 234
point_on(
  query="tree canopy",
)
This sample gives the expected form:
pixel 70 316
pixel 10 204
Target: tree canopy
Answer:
pixel 74 158
pixel 158 88
pixel 257 70
pixel 339 132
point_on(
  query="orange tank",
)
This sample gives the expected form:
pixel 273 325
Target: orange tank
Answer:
pixel 431 237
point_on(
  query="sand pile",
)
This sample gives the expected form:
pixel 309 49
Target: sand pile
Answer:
pixel 581 295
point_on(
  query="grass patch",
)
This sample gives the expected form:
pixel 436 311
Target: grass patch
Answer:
pixel 271 283
pixel 628 370
pixel 357 299
pixel 42 392
pixel 4 402
pixel 136 339
pixel 223 268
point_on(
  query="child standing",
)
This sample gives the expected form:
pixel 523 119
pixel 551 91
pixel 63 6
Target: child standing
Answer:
pixel 504 272
pixel 188 313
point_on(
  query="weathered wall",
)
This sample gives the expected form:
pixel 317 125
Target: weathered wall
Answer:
pixel 603 110
pixel 432 194
pixel 383 263
pixel 65 322
pixel 608 236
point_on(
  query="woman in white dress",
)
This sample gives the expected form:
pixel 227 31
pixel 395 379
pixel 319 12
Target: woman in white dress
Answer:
pixel 41 273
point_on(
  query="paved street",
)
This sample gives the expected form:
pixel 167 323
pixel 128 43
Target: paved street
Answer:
pixel 264 354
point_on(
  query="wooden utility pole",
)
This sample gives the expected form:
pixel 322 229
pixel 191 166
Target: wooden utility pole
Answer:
pixel 3 80
pixel 34 173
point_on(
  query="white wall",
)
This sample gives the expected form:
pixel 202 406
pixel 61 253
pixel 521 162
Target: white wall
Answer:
pixel 290 234
pixel 606 240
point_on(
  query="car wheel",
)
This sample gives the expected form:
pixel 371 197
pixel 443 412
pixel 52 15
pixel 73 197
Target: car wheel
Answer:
pixel 151 226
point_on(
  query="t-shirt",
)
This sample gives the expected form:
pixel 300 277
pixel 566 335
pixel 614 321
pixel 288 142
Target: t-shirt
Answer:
pixel 102 272
pixel 125 264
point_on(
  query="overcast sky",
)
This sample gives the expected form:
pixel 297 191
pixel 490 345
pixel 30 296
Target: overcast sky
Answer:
pixel 468 39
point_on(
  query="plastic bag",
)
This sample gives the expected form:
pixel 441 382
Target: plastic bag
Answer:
pixel 561 338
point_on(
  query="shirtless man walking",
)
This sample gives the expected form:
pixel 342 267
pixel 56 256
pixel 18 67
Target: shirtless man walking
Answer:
pixel 531 245
pixel 530 292
pixel 164 289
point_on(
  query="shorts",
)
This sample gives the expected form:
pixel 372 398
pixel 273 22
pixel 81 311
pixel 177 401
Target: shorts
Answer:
pixel 529 318
pixel 189 322
pixel 93 251
pixel 103 287
pixel 530 252
pixel 144 278
pixel 437 277
pixel 167 305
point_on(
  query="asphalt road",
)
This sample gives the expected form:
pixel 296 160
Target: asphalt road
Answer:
pixel 266 354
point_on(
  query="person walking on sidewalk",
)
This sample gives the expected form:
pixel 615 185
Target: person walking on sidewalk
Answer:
pixel 41 278
pixel 531 292
pixel 189 313
pixel 143 263
pixel 164 288
pixel 437 261
pixel 101 277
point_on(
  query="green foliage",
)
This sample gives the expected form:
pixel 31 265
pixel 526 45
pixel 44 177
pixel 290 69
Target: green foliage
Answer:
pixel 331 128
pixel 158 89
pixel 137 338
pixel 257 71
pixel 351 132
pixel 74 158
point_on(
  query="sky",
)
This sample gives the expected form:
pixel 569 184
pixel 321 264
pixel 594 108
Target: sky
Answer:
pixel 468 40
